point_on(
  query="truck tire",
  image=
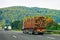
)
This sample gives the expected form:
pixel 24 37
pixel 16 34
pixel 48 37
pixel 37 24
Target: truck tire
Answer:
pixel 24 31
pixel 41 33
pixel 30 31
pixel 34 32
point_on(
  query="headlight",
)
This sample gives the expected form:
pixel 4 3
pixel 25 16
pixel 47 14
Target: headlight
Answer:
pixel 5 27
pixel 9 27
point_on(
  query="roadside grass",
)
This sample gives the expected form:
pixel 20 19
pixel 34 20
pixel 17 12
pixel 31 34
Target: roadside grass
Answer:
pixel 53 32
pixel 16 30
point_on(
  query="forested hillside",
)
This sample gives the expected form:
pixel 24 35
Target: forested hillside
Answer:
pixel 11 14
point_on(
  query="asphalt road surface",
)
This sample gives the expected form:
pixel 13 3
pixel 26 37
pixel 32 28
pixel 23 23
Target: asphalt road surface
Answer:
pixel 14 35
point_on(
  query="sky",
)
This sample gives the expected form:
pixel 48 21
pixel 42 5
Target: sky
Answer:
pixel 51 4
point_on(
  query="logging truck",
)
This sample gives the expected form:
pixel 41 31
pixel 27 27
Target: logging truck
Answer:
pixel 35 25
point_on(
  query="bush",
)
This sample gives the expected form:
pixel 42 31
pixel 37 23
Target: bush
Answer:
pixel 17 25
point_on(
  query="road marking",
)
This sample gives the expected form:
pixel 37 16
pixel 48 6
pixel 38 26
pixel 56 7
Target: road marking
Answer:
pixel 14 36
pixel 50 37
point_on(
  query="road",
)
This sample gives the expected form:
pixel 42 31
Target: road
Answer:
pixel 14 35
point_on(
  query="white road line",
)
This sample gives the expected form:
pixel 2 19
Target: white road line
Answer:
pixel 14 36
pixel 50 37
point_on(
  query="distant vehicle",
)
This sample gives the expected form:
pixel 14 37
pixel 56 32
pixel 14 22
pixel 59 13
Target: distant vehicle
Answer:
pixel 36 25
pixel 7 27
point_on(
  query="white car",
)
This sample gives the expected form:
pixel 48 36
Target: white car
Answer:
pixel 7 27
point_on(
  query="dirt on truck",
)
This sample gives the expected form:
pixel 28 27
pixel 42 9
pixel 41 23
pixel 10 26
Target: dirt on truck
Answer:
pixel 35 25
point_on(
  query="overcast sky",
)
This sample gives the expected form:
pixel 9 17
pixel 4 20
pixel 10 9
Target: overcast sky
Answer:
pixel 52 4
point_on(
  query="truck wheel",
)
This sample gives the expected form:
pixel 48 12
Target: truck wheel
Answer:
pixel 41 33
pixel 24 31
pixel 35 32
pixel 30 31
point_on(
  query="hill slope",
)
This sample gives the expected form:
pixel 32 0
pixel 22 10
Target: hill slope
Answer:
pixel 18 12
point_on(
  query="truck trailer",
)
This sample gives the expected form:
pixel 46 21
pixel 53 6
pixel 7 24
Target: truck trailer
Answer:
pixel 35 25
